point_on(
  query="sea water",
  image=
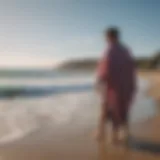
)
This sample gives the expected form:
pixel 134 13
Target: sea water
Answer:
pixel 63 97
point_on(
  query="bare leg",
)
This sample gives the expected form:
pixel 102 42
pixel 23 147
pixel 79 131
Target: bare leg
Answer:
pixel 124 128
pixel 100 133
pixel 115 135
pixel 124 133
pixel 101 126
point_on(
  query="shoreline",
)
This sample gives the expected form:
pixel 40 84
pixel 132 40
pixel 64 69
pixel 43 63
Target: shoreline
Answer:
pixel 65 143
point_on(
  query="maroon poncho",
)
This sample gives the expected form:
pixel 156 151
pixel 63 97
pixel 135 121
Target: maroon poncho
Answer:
pixel 117 70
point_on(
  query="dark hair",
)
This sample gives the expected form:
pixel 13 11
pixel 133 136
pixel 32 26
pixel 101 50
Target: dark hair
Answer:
pixel 112 32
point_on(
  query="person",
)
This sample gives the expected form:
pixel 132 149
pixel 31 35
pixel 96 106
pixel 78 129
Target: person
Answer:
pixel 116 83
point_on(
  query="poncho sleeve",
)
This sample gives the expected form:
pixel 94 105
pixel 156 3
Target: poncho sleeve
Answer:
pixel 102 69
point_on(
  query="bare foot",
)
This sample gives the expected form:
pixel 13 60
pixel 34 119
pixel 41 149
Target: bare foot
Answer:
pixel 123 134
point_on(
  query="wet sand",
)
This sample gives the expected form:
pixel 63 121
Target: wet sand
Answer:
pixel 66 144
pixel 74 141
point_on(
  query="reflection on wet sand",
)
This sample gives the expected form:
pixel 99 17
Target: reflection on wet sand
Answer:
pixel 121 152
pixel 48 144
pixel 111 151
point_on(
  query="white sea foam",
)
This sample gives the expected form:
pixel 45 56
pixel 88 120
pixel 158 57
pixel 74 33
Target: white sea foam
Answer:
pixel 21 116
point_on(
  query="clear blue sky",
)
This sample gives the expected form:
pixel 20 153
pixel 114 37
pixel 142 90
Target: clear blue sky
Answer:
pixel 44 32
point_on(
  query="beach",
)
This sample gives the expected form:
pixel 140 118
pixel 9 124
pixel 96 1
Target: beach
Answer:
pixel 73 139
pixel 150 128
pixel 63 63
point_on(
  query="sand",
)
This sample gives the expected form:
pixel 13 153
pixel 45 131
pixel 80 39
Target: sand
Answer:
pixel 75 141
pixel 150 129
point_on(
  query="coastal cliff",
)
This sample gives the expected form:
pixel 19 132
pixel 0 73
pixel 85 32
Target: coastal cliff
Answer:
pixel 80 65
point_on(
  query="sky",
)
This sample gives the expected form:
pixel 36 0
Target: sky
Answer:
pixel 40 33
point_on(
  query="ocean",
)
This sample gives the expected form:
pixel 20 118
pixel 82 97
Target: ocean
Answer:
pixel 31 99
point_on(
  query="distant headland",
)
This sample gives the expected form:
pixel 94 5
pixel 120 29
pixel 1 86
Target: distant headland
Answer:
pixel 89 64
pixel 78 64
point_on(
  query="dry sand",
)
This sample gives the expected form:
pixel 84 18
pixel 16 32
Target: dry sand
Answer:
pixel 150 129
pixel 74 141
